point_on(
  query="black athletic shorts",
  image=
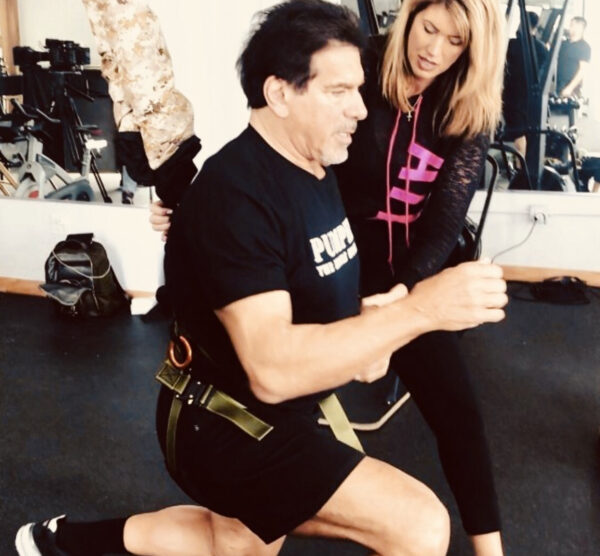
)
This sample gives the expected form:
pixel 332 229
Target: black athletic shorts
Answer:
pixel 272 485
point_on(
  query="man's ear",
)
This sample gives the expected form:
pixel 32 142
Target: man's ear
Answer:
pixel 275 91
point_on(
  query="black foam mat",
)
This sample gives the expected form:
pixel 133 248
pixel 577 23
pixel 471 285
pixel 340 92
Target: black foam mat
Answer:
pixel 77 402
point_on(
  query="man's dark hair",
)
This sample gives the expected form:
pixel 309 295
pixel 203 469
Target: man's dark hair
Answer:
pixel 533 20
pixel 284 40
pixel 581 20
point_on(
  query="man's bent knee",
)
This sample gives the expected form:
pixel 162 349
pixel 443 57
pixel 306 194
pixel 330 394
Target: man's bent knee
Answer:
pixel 435 532
pixel 425 533
pixel 386 510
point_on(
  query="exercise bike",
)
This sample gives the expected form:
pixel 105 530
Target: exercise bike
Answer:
pixel 560 171
pixel 21 145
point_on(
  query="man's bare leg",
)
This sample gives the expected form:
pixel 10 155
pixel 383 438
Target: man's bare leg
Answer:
pixel 377 506
pixel 385 510
pixel 193 531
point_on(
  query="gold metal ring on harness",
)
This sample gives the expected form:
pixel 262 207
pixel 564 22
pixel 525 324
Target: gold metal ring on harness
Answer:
pixel 188 353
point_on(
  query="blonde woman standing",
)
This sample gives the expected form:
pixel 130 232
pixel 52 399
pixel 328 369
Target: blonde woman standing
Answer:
pixel 433 94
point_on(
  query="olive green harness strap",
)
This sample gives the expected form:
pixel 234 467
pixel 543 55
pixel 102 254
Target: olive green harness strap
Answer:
pixel 338 421
pixel 232 410
pixel 192 392
pixel 225 406
pixel 174 412
pixel 187 390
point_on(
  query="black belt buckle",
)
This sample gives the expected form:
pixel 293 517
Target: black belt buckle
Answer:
pixel 174 379
pixel 197 393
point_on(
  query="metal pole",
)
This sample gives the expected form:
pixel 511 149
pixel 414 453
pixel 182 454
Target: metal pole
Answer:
pixel 509 6
pixel 368 17
pixel 538 102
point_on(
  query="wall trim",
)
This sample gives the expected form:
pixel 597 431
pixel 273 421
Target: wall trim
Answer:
pixel 534 274
pixel 31 287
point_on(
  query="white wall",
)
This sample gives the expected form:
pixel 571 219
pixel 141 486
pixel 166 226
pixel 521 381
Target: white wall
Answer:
pixel 30 229
pixel 204 38
pixel 569 240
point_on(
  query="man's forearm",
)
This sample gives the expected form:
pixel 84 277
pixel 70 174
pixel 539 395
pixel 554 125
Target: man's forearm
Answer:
pixel 307 358
pixel 575 82
pixel 285 360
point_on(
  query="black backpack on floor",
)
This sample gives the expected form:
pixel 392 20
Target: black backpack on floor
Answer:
pixel 80 280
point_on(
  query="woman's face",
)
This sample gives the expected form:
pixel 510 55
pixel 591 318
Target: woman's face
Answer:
pixel 434 44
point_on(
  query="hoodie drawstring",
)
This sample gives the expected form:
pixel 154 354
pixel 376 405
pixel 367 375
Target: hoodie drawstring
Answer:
pixel 406 181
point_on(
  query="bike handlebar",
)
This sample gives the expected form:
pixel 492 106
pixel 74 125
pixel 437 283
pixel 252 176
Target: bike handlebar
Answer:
pixel 45 116
pixel 19 108
pixel 39 114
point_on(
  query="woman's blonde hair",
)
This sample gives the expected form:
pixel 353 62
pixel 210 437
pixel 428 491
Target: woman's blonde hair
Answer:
pixel 471 90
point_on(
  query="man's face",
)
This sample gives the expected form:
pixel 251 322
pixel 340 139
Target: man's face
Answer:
pixel 323 116
pixel 575 30
pixel 434 43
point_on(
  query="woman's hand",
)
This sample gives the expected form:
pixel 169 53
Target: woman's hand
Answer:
pixel 160 218
pixel 379 369
pixel 380 299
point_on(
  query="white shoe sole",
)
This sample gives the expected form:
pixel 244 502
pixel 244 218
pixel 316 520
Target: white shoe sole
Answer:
pixel 24 542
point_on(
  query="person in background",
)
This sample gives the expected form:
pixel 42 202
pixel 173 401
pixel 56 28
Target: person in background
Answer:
pixel 573 60
pixel 515 92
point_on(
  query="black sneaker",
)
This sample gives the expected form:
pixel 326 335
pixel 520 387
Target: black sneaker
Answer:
pixel 39 539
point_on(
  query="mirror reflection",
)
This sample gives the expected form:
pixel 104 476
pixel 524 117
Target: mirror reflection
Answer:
pixel 64 135
pixel 56 129
pixel 548 140
pixel 59 139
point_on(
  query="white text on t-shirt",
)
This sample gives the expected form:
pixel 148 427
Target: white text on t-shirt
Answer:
pixel 333 249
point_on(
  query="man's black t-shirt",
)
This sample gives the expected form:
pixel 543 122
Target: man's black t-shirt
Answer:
pixel 253 222
pixel 569 57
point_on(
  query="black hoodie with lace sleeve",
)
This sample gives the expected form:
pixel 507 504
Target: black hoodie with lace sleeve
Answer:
pixel 406 187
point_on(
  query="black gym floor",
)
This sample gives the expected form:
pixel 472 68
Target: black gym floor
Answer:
pixel 77 404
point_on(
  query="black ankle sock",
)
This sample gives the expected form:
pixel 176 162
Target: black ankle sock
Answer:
pixel 92 538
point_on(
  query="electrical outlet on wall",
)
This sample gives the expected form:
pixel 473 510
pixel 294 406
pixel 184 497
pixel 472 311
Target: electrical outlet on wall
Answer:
pixel 538 213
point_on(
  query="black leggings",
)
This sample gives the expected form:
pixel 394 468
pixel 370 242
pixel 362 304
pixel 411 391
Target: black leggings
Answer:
pixel 433 371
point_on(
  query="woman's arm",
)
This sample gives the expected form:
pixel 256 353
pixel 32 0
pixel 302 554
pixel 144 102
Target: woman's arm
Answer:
pixel 440 224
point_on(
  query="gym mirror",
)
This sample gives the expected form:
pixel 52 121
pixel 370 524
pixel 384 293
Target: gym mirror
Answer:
pixel 553 145
pixel 57 131
pixel 549 139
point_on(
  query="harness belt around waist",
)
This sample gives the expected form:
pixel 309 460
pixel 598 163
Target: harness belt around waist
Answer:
pixel 187 390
